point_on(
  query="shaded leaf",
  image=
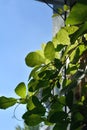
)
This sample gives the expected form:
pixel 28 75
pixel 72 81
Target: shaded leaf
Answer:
pixel 59 47
pixel 32 85
pixel 69 87
pixel 20 90
pixel 35 106
pixel 32 120
pixel 42 84
pixel 69 99
pixel 57 116
pixel 61 126
pixel 7 102
pixel 33 72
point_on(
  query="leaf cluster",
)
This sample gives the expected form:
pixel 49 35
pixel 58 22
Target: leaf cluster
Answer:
pixel 56 93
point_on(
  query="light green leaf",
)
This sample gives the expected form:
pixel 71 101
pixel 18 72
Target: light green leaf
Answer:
pixel 20 90
pixel 71 29
pixel 7 102
pixel 66 7
pixel 49 51
pixel 33 59
pixel 78 13
pixel 63 37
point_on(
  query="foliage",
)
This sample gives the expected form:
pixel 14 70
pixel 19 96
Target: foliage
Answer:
pixel 27 127
pixel 60 65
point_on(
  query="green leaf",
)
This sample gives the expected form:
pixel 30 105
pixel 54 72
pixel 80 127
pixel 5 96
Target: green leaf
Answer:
pixel 35 107
pixel 7 102
pixel 58 64
pixel 33 59
pixel 63 37
pixel 20 90
pixel 33 72
pixel 32 120
pixel 42 84
pixel 66 7
pixel 49 51
pixel 82 30
pixel 71 29
pixel 78 13
pixel 32 85
pixel 69 87
pixel 61 126
pixel 75 55
pixel 30 104
pixel 55 15
pixel 69 99
pixel 57 116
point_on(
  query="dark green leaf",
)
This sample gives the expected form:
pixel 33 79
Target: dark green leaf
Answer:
pixel 32 119
pixel 59 47
pixel 69 87
pixel 7 102
pixel 34 71
pixel 61 126
pixel 35 106
pixel 20 90
pixel 32 85
pixel 57 63
pixel 57 116
pixel 42 84
pixel 69 99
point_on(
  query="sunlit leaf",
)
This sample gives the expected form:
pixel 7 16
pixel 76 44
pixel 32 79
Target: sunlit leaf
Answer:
pixel 49 51
pixel 30 104
pixel 20 90
pixel 63 37
pixel 71 29
pixel 7 102
pixel 78 13
pixel 33 59
pixel 66 7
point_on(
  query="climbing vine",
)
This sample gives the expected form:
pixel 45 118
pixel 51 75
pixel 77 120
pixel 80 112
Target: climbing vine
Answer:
pixel 67 51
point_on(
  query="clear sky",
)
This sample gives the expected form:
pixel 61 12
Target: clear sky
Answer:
pixel 24 26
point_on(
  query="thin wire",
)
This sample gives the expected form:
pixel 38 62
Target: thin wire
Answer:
pixel 52 8
pixel 14 114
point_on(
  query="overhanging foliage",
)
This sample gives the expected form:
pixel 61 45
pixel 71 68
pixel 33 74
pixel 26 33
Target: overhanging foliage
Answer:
pixel 60 65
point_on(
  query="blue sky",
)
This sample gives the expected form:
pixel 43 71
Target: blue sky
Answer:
pixel 24 26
